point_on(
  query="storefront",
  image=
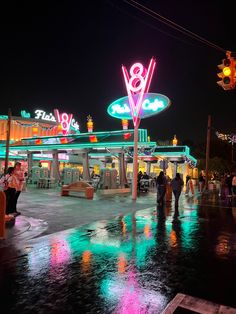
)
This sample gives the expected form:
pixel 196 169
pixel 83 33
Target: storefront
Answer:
pixel 39 124
pixel 47 142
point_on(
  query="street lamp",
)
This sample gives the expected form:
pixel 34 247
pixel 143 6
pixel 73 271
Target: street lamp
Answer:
pixel 137 83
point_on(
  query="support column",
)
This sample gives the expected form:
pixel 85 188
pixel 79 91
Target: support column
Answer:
pixel 86 175
pixel 122 172
pixel 208 149
pixel 29 162
pixel 175 167
pixel 55 166
pixel 148 167
pixel 135 164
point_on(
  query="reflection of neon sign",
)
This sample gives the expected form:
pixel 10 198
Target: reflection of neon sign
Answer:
pixel 137 84
pixel 130 297
pixel 152 104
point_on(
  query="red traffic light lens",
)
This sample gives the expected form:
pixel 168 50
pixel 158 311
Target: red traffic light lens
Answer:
pixel 227 62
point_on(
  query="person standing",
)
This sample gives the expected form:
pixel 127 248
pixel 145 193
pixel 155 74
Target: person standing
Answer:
pixel 161 187
pixel 140 176
pixel 234 185
pixel 229 181
pixel 177 185
pixel 11 186
pixel 20 177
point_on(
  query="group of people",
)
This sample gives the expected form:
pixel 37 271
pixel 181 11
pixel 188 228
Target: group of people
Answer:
pixel 228 185
pixel 12 184
pixel 176 184
pixel 142 176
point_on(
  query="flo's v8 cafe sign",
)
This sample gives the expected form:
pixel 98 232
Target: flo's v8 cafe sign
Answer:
pixel 152 104
pixel 66 120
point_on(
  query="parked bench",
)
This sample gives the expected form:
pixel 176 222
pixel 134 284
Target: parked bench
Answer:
pixel 80 186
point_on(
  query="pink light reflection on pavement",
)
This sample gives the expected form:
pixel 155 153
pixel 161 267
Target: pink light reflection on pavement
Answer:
pixel 60 252
pixel 133 299
pixel 130 303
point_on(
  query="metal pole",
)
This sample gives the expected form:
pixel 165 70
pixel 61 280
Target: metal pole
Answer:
pixel 7 140
pixel 208 149
pixel 232 153
pixel 135 164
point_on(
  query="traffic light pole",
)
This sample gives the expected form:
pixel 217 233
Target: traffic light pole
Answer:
pixel 232 153
pixel 208 149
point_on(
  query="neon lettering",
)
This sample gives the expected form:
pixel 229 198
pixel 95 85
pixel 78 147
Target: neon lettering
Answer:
pixel 25 114
pixel 65 119
pixel 147 105
pixel 120 108
pixel 154 106
pixel 40 114
pixel 75 124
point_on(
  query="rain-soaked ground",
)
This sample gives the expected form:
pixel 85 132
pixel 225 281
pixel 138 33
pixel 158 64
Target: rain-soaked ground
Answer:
pixel 135 263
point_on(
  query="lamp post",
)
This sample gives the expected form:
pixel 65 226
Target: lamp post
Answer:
pixel 232 152
pixel 138 103
pixel 208 149
pixel 137 83
pixel 7 140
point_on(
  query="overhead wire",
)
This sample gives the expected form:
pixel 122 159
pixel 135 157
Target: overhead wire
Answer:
pixel 149 24
pixel 172 24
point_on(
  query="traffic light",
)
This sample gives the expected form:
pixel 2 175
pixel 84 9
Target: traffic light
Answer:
pixel 228 72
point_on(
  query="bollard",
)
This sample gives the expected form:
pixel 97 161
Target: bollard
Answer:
pixel 2 214
pixel 89 192
pixel 168 196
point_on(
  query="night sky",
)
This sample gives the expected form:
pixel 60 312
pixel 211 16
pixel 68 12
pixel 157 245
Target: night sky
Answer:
pixel 68 55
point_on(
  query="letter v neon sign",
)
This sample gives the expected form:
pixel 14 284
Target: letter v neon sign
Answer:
pixel 138 83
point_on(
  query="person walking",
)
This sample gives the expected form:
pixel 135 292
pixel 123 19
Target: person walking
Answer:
pixel 177 185
pixel 161 187
pixel 19 173
pixel 189 187
pixel 201 182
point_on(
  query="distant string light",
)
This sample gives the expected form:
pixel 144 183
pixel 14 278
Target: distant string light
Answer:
pixel 231 138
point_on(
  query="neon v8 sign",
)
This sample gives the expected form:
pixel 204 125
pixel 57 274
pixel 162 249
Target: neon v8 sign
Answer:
pixel 64 119
pixel 152 104
pixel 138 83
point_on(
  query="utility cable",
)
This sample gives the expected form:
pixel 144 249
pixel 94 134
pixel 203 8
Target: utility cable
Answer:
pixel 172 24
pixel 150 25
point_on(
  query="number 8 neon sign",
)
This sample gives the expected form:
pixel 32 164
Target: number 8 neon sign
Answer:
pixel 64 119
pixel 138 83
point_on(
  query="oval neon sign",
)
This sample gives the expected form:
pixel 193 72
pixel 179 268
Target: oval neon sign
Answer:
pixel 152 104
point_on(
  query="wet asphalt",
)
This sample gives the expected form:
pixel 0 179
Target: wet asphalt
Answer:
pixel 134 259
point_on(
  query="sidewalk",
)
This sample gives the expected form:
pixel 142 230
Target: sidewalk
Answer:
pixel 89 254
pixel 44 211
